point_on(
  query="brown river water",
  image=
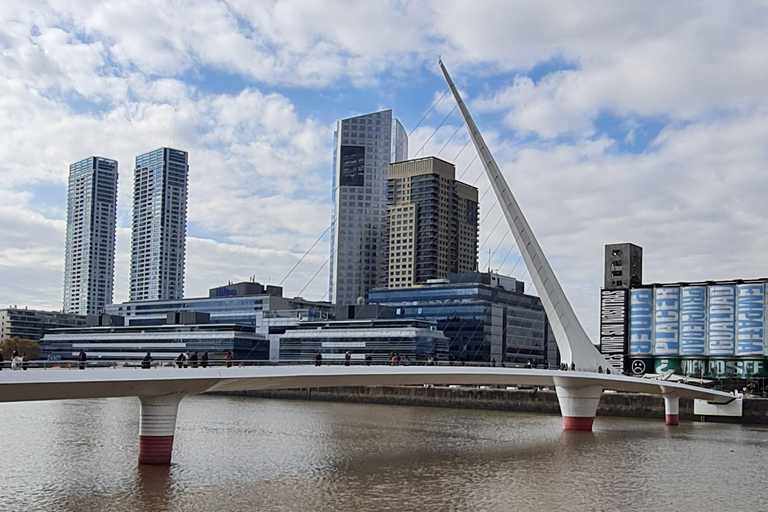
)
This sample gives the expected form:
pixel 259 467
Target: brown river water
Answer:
pixel 242 454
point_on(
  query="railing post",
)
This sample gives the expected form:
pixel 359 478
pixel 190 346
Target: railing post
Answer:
pixel 157 427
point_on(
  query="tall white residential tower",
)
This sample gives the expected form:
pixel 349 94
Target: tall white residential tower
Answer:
pixel 364 147
pixel 90 247
pixel 159 231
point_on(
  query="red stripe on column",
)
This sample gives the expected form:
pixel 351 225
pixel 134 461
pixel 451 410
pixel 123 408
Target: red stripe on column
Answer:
pixel 577 423
pixel 673 419
pixel 155 449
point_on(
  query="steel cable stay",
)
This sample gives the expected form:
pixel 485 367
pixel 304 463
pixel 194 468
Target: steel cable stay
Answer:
pixel 305 255
pixel 436 129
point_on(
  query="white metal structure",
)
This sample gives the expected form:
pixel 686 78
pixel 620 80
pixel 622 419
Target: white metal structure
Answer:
pixel 572 340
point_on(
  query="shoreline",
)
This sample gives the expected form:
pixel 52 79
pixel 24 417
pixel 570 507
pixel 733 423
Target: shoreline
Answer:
pixel 628 405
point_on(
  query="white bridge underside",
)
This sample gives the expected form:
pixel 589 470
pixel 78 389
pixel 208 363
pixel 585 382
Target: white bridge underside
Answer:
pixel 62 384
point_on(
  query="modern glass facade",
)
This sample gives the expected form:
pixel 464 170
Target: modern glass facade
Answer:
pixel 159 228
pixel 416 339
pixel 30 324
pixel 245 310
pixel 364 147
pixel 162 342
pixel 484 316
pixel 89 259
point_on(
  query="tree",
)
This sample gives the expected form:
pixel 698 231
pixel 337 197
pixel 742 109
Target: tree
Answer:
pixel 28 347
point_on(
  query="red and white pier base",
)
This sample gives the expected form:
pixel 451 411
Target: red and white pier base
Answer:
pixel 157 427
pixel 671 407
pixel 578 403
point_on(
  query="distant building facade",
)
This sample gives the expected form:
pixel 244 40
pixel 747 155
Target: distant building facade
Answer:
pixel 248 303
pixel 364 146
pixel 431 226
pixel 181 333
pixel 703 329
pixel 30 324
pixel 159 229
pixel 89 258
pixel 485 316
pixel 379 338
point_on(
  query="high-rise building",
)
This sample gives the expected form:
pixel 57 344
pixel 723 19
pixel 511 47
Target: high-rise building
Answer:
pixel 89 260
pixel 364 148
pixel 431 225
pixel 159 231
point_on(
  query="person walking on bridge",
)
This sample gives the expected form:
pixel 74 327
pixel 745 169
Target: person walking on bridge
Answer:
pixel 81 359
pixel 15 360
pixel 347 357
pixel 229 359
pixel 146 363
pixel 318 359
pixel 204 360
pixel 180 361
pixel 193 360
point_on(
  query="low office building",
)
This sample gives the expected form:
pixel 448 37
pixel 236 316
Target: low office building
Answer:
pixel 486 317
pixel 240 303
pixel 107 339
pixel 379 338
pixel 247 303
pixel 30 324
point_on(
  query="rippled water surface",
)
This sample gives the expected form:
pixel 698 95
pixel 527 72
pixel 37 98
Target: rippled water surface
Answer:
pixel 249 454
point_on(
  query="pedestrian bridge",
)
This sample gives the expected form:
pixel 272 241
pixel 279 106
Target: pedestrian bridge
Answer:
pixel 160 389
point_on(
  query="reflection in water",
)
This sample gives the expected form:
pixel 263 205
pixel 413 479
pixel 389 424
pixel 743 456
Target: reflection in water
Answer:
pixel 248 454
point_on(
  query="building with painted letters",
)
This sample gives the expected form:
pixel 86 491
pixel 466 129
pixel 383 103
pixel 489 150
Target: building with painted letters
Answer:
pixel 703 329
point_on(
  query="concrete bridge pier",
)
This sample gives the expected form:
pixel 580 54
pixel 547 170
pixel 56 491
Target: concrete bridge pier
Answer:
pixel 671 406
pixel 157 427
pixel 578 403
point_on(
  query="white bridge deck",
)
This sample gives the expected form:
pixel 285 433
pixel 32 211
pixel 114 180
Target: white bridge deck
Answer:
pixel 60 384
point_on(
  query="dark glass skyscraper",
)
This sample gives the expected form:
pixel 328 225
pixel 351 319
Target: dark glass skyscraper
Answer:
pixel 89 266
pixel 364 148
pixel 159 233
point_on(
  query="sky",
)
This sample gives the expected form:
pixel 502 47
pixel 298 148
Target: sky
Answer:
pixel 643 122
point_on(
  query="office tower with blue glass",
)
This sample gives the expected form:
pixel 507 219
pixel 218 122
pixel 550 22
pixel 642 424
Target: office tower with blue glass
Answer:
pixel 159 232
pixel 89 260
pixel 364 147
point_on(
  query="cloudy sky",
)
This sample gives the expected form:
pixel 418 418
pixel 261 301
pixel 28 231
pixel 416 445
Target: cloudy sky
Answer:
pixel 613 122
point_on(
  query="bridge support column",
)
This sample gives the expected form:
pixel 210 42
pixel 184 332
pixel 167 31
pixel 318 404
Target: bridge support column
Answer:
pixel 671 407
pixel 157 427
pixel 578 403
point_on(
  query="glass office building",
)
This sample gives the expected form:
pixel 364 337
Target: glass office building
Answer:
pixel 364 146
pixel 159 229
pixel 485 316
pixel 30 324
pixel 164 343
pixel 89 259
pixel 379 338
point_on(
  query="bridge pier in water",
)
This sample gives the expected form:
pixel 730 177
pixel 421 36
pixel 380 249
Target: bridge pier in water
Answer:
pixel 578 403
pixel 671 406
pixel 157 428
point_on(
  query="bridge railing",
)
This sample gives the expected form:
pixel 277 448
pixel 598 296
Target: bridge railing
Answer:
pixel 103 364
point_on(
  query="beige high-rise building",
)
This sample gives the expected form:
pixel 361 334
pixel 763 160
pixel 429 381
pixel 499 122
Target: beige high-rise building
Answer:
pixel 431 227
